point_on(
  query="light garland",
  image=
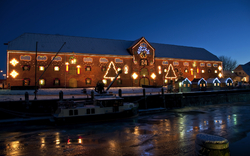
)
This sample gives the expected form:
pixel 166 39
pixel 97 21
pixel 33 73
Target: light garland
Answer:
pixel 111 78
pixel 14 73
pixel 14 62
pixel 170 66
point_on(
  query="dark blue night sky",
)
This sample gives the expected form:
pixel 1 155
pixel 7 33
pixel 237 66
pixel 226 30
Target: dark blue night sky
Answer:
pixel 220 26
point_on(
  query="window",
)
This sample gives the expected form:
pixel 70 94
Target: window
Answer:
pixel 184 85
pixel 57 82
pixel 26 82
pixel 88 81
pixel 56 68
pixel 209 65
pixel 204 85
pixel 202 71
pixel 26 68
pixel 176 70
pixel 188 85
pixel 104 68
pixel 215 71
pixel 41 82
pixel 87 68
pixel 41 68
pixel 209 71
pixel 175 63
pixel 119 81
pixel 186 70
pixel 72 60
pixel 214 84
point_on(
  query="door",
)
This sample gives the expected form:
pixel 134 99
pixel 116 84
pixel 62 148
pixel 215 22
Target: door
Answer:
pixel 73 83
pixel 144 81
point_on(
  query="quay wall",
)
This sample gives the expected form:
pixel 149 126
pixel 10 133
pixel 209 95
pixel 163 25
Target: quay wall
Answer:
pixel 166 100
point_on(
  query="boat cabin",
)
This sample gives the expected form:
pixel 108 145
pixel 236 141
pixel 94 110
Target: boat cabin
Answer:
pixel 213 84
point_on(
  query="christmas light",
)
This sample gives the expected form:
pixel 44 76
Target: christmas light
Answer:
pixel 186 79
pixel 14 73
pixel 56 68
pixel 111 78
pixel 134 75
pixel 216 79
pixel 220 75
pixel 67 66
pixel 125 69
pixel 220 68
pixel 41 68
pixel 203 80
pixel 170 67
pixel 78 69
pixel 14 62
pixel 215 71
pixel 202 71
pixel 104 81
pixel 159 68
pixel 198 71
pixel 192 72
pixel 153 76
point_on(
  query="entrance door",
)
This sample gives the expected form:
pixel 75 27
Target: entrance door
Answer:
pixel 73 83
pixel 144 81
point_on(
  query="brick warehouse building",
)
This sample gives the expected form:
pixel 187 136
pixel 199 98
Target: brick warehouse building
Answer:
pixel 82 62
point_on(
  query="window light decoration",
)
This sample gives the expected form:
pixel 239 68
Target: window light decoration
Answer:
pixel 220 75
pixel 192 71
pixel 104 81
pixel 198 70
pixel 171 73
pixel 41 82
pixel 56 68
pixel 159 69
pixel 220 68
pixel 78 69
pixel 125 69
pixel 153 76
pixel 41 68
pixel 202 71
pixel 165 70
pixel 186 70
pixel 14 62
pixel 134 76
pixel 67 66
pixel 166 80
pixel 215 71
pixel 111 67
pixel 72 60
pixel 14 74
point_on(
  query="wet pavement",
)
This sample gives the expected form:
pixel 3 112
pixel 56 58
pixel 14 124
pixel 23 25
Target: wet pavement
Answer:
pixel 168 133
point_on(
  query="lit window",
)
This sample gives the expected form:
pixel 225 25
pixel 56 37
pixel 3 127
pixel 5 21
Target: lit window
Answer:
pixel 78 69
pixel 134 76
pixel 72 60
pixel 184 85
pixel 56 68
pixel 214 84
pixel 204 85
pixel 159 69
pixel 188 85
pixel 41 68
pixel 192 72
pixel 220 68
pixel 200 85
pixel 153 76
pixel 26 68
pixel 88 81
pixel 118 69
pixel 67 66
pixel 165 70
pixel 202 71
pixel 215 71
pixel 87 68
pixel 41 82
pixel 26 82
pixel 125 69
pixel 104 81
pixel 186 71
pixel 57 82
pixel 166 81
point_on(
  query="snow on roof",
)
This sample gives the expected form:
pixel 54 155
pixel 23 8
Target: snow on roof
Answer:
pixel 212 80
pixel 52 43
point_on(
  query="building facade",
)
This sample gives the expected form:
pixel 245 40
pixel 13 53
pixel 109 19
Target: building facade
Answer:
pixel 57 61
pixel 243 73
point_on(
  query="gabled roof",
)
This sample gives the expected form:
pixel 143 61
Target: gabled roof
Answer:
pixel 245 68
pixel 212 80
pixel 52 43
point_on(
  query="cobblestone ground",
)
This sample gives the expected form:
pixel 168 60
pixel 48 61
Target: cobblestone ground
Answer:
pixel 169 133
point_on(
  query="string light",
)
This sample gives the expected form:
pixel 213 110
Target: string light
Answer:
pixel 153 76
pixel 170 66
pixel 14 73
pixel 105 76
pixel 134 75
pixel 14 62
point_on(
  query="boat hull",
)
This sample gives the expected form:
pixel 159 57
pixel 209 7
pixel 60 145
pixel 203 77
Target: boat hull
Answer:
pixel 98 117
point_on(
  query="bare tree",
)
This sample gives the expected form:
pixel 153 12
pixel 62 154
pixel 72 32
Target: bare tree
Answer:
pixel 228 63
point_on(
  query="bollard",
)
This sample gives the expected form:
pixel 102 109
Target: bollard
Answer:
pixel 26 97
pixel 120 93
pixel 163 97
pixel 206 144
pixel 61 95
pixel 92 95
pixel 144 95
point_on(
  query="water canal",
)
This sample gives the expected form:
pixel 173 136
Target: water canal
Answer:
pixel 168 133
